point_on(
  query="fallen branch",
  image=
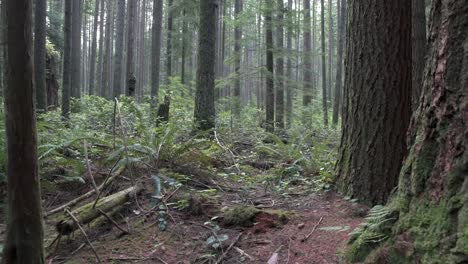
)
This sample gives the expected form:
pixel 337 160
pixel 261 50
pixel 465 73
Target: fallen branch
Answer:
pixel 88 167
pixel 313 230
pixel 84 234
pixel 112 221
pixel 84 196
pixel 87 213
pixel 233 157
pixel 221 258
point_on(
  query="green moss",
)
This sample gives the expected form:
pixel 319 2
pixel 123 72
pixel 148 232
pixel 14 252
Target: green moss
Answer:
pixel 240 215
pixel 423 165
pixel 283 215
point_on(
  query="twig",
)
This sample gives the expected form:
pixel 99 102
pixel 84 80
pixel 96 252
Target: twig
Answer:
pixel 113 222
pixel 172 194
pixel 84 233
pixel 243 253
pixel 220 259
pixel 88 167
pixel 233 157
pixel 138 258
pixel 106 180
pixel 289 250
pixel 313 230
pixel 124 139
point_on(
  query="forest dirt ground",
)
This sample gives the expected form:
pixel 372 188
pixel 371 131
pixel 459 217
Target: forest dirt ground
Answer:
pixel 325 218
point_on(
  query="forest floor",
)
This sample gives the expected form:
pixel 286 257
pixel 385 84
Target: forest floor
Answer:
pixel 229 208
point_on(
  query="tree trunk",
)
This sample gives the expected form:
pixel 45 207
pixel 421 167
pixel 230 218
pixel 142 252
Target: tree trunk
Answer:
pixel 100 90
pixel 119 49
pixel 66 76
pixel 106 82
pixel 331 49
pixel 24 236
pixel 377 110
pixel 2 46
pixel 280 67
pixel 52 85
pixel 307 92
pixel 131 78
pixel 156 49
pixel 418 49
pixel 270 89
pixel 324 68
pixel 141 54
pixel 431 204
pixel 92 59
pixel 184 48
pixel 289 88
pixel 237 60
pixel 204 98
pixel 40 54
pixel 84 30
pixel 76 50
pixel 339 62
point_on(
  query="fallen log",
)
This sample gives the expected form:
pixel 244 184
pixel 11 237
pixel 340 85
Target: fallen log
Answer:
pixel 87 213
pixel 71 203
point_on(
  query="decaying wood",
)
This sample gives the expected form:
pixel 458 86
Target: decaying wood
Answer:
pixel 87 213
pixel 84 196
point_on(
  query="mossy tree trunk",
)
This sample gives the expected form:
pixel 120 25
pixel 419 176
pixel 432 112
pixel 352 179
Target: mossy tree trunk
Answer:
pixel 377 103
pixel 432 198
pixel 419 49
pixel 24 236
pixel 307 57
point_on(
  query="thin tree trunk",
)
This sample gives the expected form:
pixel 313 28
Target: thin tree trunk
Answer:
pixel 331 50
pixel 289 102
pixel 100 89
pixel 66 82
pixel 105 86
pixel 280 66
pixel 119 49
pixel 25 235
pixel 92 59
pixel 270 89
pixel 131 78
pixel 339 61
pixel 83 77
pixel 76 50
pixel 204 99
pixel 307 93
pixel 156 49
pixel 40 54
pixel 324 68
pixel 141 58
pixel 237 60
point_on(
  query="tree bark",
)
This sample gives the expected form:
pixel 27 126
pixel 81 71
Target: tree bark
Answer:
pixel 156 49
pixel 66 76
pixel 431 204
pixel 324 68
pixel 40 54
pixel 280 66
pixel 101 90
pixel 119 49
pixel 76 50
pixel 24 236
pixel 204 98
pixel 377 108
pixel 339 62
pixel 92 59
pixel 270 89
pixel 418 49
pixel 331 50
pixel 307 91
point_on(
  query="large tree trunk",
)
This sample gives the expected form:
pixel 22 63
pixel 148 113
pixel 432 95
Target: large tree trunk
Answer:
pixel 92 59
pixel 106 80
pixel 2 46
pixel 24 238
pixel 324 67
pixel 40 54
pixel 156 49
pixel 280 67
pixel 418 49
pixel 377 110
pixel 237 60
pixel 131 78
pixel 76 50
pixel 432 200
pixel 339 61
pixel 66 76
pixel 204 98
pixel 307 57
pixel 119 49
pixel 270 89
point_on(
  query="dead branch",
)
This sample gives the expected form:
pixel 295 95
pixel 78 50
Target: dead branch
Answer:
pixel 221 258
pixel 84 234
pixel 313 230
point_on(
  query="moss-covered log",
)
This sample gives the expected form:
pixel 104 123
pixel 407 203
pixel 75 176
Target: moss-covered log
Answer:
pixel 432 199
pixel 87 213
